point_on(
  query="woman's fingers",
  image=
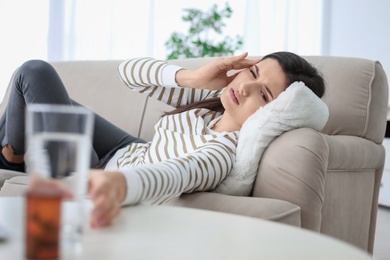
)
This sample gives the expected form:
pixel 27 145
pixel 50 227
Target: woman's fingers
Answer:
pixel 104 212
pixel 227 64
pixel 105 218
pixel 109 216
pixel 49 186
pixel 213 75
pixel 103 194
pixel 97 183
pixel 236 62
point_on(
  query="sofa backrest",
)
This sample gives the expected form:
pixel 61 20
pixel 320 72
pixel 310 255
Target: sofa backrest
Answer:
pixel 96 84
pixel 356 94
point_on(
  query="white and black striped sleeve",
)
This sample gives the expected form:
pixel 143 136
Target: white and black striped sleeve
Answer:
pixel 201 170
pixel 156 79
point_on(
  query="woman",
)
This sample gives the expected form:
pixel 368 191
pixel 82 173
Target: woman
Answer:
pixel 193 148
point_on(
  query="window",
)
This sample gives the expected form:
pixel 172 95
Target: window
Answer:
pixel 115 29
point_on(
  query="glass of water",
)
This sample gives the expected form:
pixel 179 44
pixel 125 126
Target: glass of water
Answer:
pixel 58 159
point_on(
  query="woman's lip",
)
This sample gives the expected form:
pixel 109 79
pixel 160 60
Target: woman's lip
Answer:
pixel 233 96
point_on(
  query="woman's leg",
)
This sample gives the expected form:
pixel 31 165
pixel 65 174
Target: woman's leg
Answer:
pixel 109 138
pixel 35 82
pixel 38 82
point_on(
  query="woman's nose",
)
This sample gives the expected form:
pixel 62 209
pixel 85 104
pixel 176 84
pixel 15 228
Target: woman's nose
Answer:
pixel 246 88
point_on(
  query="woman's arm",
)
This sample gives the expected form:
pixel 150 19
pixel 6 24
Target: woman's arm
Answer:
pixel 156 79
pixel 176 86
pixel 201 170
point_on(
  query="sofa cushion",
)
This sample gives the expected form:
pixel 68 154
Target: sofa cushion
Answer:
pixel 264 208
pixel 8 174
pixel 15 186
pixel 270 209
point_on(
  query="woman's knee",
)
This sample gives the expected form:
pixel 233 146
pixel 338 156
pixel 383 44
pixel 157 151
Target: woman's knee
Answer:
pixel 38 75
pixel 32 67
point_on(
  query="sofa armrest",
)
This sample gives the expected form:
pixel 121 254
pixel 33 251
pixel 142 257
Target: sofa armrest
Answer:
pixel 305 168
pixel 293 169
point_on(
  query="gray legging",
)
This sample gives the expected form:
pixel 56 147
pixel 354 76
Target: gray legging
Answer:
pixel 37 82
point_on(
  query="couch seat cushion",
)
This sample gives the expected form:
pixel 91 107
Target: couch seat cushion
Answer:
pixel 264 208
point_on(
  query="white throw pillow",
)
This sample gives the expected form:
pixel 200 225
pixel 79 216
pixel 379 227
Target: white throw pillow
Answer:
pixel 296 107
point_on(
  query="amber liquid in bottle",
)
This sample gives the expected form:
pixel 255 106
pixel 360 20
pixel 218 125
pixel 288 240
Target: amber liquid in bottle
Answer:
pixel 43 218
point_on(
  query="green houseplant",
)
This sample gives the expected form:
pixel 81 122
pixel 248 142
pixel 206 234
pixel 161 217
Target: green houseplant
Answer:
pixel 198 42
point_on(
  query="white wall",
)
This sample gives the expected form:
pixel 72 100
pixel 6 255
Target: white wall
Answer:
pixel 358 28
pixel 23 28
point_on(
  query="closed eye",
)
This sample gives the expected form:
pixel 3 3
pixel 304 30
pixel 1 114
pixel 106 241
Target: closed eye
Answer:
pixel 263 95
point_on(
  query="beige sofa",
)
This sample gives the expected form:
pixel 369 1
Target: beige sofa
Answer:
pixel 326 182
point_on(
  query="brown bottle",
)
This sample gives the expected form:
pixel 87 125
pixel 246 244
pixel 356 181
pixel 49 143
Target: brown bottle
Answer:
pixel 43 218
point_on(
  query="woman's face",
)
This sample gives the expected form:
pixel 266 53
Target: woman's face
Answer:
pixel 253 88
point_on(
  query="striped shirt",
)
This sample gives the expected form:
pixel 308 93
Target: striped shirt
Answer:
pixel 185 155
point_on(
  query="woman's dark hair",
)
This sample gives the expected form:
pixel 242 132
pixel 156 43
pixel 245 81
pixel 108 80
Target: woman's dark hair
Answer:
pixel 295 68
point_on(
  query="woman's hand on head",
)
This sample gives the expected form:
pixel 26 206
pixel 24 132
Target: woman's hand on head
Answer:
pixel 107 190
pixel 213 75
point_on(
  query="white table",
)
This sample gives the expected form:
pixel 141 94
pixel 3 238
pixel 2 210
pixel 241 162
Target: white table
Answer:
pixel 165 232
